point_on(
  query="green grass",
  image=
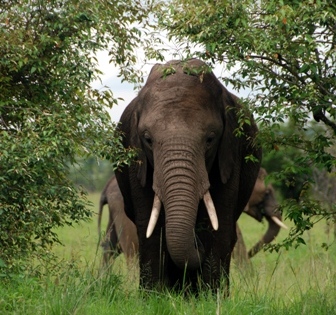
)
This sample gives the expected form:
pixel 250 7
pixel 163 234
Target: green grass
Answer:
pixel 298 281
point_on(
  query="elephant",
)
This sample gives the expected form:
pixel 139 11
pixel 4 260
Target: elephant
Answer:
pixel 262 204
pixel 121 234
pixel 197 161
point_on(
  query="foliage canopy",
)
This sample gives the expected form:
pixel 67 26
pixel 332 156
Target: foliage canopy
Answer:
pixel 49 113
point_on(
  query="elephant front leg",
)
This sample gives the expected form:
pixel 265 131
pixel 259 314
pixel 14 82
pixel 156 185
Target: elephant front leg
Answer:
pixel 215 273
pixel 152 261
pixel 216 267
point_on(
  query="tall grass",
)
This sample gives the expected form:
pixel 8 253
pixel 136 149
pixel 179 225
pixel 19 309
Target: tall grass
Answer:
pixel 298 281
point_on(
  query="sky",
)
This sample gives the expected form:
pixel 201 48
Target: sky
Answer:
pixel 120 89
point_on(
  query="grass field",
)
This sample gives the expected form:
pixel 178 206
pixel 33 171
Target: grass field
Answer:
pixel 297 281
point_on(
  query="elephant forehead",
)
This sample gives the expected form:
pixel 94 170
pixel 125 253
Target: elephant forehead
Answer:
pixel 179 117
pixel 180 104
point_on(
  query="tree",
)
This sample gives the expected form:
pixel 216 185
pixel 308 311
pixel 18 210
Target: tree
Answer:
pixel 284 53
pixel 50 115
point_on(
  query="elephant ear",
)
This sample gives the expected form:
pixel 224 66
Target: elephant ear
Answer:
pixel 235 146
pixel 129 126
pixel 229 148
pixel 141 161
pixel 142 168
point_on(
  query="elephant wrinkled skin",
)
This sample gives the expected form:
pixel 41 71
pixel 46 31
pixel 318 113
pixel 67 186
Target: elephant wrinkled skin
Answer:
pixel 191 169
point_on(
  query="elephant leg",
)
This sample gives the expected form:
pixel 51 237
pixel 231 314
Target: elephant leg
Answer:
pixel 221 243
pixel 225 274
pixel 153 261
pixel 128 241
pixel 216 271
pixel 111 248
pixel 240 252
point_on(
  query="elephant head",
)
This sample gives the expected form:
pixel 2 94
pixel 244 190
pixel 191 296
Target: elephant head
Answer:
pixel 263 204
pixel 192 177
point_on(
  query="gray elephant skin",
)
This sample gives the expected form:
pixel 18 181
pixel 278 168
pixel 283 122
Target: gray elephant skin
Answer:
pixel 192 178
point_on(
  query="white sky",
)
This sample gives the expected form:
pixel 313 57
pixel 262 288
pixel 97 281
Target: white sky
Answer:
pixel 109 78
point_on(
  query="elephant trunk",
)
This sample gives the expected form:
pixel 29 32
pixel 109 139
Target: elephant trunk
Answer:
pixel 268 237
pixel 273 216
pixel 183 185
pixel 182 243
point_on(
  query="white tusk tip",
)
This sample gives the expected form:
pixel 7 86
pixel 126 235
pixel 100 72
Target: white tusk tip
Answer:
pixel 279 222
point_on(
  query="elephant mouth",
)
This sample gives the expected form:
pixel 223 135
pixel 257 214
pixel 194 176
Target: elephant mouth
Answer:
pixel 157 208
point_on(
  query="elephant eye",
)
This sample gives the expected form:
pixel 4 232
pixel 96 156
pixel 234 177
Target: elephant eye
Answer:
pixel 148 139
pixel 210 138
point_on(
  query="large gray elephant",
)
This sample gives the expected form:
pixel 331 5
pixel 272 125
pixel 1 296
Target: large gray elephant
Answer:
pixel 194 164
pixel 121 234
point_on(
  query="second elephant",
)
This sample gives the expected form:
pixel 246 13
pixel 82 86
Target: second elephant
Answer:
pixel 262 204
pixel 121 234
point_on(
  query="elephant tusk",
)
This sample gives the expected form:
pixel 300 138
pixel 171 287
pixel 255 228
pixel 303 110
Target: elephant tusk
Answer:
pixel 279 222
pixel 154 216
pixel 211 210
